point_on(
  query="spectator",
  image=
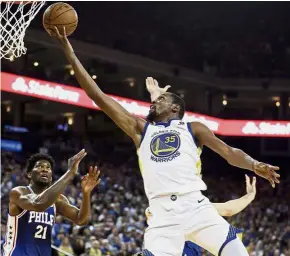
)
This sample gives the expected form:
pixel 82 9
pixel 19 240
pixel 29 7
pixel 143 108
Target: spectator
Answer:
pixel 95 249
pixel 118 221
pixel 65 246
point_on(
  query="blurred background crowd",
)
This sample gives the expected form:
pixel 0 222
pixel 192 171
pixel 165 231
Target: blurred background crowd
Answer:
pixel 118 204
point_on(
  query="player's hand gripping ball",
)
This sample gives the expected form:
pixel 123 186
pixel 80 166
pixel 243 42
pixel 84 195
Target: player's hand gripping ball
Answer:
pixel 60 15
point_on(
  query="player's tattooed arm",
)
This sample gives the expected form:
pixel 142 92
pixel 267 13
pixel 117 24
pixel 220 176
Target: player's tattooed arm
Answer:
pixel 80 216
pixel 130 124
pixel 49 196
pixel 234 156
pixel 233 207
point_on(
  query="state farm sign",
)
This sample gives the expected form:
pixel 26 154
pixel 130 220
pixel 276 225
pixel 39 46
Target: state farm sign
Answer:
pixel 75 96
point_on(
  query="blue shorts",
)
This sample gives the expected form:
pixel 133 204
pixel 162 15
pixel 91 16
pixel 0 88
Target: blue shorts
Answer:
pixel 191 249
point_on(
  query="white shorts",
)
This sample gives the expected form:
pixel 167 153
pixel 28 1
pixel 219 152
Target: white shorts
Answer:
pixel 175 219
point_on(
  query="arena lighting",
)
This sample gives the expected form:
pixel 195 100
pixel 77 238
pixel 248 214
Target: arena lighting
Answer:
pixel 94 77
pixel 8 108
pixel 11 145
pixel 76 96
pixel 70 120
pixel 35 64
pixel 72 72
pixel 131 81
pixel 225 102
pixel 277 104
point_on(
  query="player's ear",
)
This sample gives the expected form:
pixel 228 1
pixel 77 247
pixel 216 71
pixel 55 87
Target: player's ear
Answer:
pixel 175 108
pixel 29 174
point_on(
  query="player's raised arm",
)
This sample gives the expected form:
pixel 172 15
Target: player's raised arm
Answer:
pixel 234 156
pixel 131 125
pixel 233 207
pixel 48 197
pixel 80 216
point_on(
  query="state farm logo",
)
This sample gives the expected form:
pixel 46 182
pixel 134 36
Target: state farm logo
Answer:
pixel 270 128
pixel 36 88
pixel 131 106
pixel 212 125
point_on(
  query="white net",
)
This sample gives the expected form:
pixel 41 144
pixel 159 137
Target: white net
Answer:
pixel 15 17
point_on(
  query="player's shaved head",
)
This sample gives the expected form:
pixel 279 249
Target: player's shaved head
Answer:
pixel 167 106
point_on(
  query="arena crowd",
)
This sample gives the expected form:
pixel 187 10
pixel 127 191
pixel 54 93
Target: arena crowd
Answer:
pixel 118 204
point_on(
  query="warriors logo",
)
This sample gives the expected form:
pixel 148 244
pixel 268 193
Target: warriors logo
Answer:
pixel 164 147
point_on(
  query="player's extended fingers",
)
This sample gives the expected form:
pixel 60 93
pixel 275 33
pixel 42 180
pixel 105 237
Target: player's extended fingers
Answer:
pixel 56 31
pixel 272 182
pixel 63 31
pixel 247 179
pixel 97 174
pixel 80 157
pixel 254 183
pixel 150 81
pixel 98 181
pixel 167 87
pixel 81 152
pixel 78 154
pixel 155 82
pixel 275 178
pixel 95 170
pixel 90 170
pixel 275 168
pixel 75 158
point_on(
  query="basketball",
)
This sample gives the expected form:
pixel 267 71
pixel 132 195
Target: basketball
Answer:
pixel 60 15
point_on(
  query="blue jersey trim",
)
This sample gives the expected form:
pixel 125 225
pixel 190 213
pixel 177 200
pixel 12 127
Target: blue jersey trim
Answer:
pixel 192 134
pixel 147 253
pixel 232 235
pixel 143 132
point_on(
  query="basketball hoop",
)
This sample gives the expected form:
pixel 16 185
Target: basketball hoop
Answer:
pixel 15 17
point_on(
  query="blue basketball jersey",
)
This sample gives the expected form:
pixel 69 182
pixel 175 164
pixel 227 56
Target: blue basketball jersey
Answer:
pixel 29 233
pixel 191 249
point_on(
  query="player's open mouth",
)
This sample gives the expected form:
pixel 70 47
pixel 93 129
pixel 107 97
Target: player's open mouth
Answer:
pixel 45 176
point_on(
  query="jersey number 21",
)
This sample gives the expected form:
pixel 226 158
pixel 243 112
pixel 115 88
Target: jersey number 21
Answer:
pixel 40 232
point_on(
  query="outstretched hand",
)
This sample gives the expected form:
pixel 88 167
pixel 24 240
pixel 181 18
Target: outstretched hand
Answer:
pixel 251 188
pixel 267 171
pixel 90 180
pixel 60 35
pixel 154 89
pixel 73 162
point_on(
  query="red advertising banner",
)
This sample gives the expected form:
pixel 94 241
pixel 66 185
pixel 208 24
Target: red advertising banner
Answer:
pixel 75 96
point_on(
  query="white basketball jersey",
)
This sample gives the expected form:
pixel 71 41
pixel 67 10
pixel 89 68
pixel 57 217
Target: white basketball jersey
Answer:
pixel 169 159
